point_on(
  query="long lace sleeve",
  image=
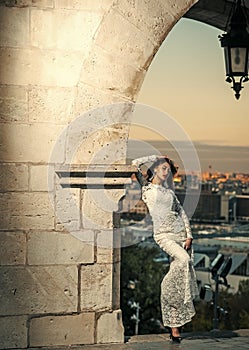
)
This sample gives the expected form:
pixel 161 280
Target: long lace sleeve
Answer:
pixel 138 163
pixel 178 208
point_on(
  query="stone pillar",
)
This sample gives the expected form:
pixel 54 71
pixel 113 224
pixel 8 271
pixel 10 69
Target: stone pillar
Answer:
pixel 59 59
pixel 100 187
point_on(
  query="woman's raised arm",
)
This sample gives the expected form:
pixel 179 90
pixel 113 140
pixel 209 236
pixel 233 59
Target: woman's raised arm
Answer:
pixel 138 163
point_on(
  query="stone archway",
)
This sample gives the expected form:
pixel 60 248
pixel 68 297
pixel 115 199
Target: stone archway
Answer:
pixel 59 59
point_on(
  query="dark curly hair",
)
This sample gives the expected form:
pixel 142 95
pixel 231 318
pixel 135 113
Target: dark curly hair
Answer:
pixel 173 167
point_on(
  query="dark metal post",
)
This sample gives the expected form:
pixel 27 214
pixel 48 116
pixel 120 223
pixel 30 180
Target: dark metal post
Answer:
pixel 137 319
pixel 216 294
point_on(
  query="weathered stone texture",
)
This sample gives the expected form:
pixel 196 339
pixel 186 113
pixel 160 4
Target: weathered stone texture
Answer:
pixel 94 215
pixel 87 5
pixel 154 20
pixel 62 330
pixel 52 248
pixel 98 145
pixel 89 97
pixel 99 136
pixel 13 104
pixel 54 105
pixel 58 59
pixel 14 27
pixel 67 209
pixel 105 245
pixel 108 246
pixel 97 278
pixel 38 290
pixel 28 142
pixel 40 67
pixel 64 35
pixel 118 77
pixel 110 328
pixel 38 180
pixel 13 332
pixel 25 211
pixel 135 42
pixel 13 177
pixel 12 248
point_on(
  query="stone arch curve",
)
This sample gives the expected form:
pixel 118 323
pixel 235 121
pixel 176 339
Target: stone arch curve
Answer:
pixel 60 59
pixel 124 44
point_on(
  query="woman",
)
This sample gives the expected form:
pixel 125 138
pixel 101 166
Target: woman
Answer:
pixel 172 233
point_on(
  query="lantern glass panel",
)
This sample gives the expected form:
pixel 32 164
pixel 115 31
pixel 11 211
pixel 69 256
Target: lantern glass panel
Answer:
pixel 239 60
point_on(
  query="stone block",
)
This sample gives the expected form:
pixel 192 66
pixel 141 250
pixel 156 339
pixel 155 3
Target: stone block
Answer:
pixel 125 38
pixel 155 18
pixel 52 248
pixel 62 330
pixel 108 246
pixel 38 180
pixel 13 332
pixel 89 97
pixel 13 177
pixel 40 67
pixel 70 29
pixel 87 5
pixel 95 211
pixel 178 8
pixel 96 287
pixel 38 290
pixel 51 105
pixel 12 248
pixel 99 136
pixel 105 71
pixel 29 143
pixel 13 104
pixel 67 209
pixel 25 211
pixel 14 27
pixel 105 145
pixel 110 328
pixel 105 247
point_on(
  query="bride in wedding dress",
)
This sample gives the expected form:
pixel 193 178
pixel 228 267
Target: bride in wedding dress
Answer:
pixel 172 233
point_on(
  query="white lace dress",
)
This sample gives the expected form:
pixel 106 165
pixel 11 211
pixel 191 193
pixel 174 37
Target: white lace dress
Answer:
pixel 171 228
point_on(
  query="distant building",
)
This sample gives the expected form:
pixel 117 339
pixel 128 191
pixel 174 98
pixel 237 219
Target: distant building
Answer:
pixel 212 207
pixel 242 208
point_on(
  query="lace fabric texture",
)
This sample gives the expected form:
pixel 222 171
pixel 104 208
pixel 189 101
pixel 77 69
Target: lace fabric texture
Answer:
pixel 166 211
pixel 171 228
pixel 179 287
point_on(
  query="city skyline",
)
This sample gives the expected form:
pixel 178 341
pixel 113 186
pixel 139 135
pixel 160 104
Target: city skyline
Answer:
pixel 186 80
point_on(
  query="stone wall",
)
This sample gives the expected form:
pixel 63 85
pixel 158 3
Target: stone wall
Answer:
pixel 59 59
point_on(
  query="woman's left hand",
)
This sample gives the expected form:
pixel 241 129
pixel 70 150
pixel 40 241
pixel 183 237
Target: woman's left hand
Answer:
pixel 188 243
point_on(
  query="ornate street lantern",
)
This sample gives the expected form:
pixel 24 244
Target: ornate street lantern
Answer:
pixel 236 47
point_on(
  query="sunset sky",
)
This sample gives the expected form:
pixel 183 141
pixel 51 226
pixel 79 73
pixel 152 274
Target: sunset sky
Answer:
pixel 187 80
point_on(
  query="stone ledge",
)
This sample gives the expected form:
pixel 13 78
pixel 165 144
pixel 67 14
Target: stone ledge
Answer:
pixel 95 176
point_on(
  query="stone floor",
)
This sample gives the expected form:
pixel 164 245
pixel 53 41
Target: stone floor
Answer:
pixel 238 340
